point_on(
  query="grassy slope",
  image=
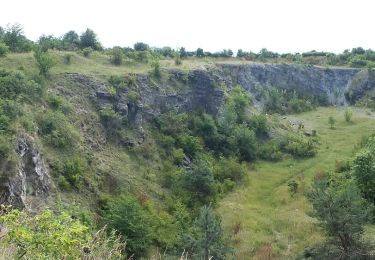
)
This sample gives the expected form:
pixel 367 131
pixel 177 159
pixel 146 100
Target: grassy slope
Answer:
pixel 264 206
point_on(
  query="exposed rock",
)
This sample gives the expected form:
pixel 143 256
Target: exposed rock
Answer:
pixel 32 183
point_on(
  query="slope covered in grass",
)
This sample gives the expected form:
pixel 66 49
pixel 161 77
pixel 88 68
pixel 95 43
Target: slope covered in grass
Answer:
pixel 270 220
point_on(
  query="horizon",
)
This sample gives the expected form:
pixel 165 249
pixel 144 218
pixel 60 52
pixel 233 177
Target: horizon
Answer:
pixel 287 27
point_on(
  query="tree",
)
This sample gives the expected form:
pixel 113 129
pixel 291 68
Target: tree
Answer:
pixel 89 39
pixel 141 46
pixel 332 121
pixel 44 60
pixel 183 53
pixel 342 213
pixel 3 49
pixel 207 240
pixel 246 142
pixel 15 39
pixel 116 56
pixel 127 216
pixel 199 53
pixel 199 181
pixel 70 40
pixel 364 173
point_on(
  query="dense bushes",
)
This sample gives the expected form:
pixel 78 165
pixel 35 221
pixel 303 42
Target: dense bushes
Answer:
pixel 127 216
pixel 56 129
pixel 55 236
pixel 285 101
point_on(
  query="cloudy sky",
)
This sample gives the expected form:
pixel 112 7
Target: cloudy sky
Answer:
pixel 278 25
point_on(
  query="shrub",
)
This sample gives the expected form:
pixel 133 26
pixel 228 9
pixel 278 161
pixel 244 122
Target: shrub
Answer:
pixel 87 52
pixel 293 187
pixel 46 235
pixel 116 56
pixel 229 169
pixel 3 49
pixel 245 142
pixel 177 59
pixel 348 115
pixel 332 122
pixel 199 182
pixel 140 46
pixel 57 130
pixel 88 39
pixel 299 145
pixel 68 58
pixel 127 216
pixel 192 145
pixel 270 151
pixel 44 61
pixel 156 68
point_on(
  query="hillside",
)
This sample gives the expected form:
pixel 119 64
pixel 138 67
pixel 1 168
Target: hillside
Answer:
pixel 169 143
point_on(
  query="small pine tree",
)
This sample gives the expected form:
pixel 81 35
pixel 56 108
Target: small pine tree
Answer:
pixel 208 241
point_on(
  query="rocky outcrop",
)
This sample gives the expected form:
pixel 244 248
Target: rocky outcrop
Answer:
pixel 205 89
pixel 30 186
pixel 331 82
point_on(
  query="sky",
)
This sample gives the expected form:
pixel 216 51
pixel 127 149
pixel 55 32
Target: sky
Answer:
pixel 278 25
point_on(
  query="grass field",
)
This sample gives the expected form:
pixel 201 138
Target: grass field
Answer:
pixel 272 222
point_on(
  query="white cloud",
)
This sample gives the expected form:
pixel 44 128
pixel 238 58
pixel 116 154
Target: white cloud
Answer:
pixel 278 25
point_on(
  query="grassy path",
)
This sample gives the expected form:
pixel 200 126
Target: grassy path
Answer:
pixel 271 221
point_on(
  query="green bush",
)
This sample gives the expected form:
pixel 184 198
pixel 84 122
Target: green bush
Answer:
pixel 44 60
pixel 299 145
pixel 348 115
pixel 3 49
pixel 116 56
pixel 56 130
pixel 199 182
pixel 191 145
pixel 127 216
pixel 155 65
pixel 67 58
pixel 87 52
pixel 270 151
pixel 229 169
pixel 245 142
pixel 47 235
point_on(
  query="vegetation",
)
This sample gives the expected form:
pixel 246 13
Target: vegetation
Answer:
pixel 185 181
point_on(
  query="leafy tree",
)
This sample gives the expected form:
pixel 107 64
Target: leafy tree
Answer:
pixel 246 142
pixel 207 241
pixel 88 39
pixel 183 53
pixel 70 40
pixel 141 46
pixel 364 173
pixel 3 49
pixel 342 213
pixel 44 60
pixel 49 42
pixel 127 216
pixel 332 121
pixel 116 56
pixel 14 37
pixel 199 52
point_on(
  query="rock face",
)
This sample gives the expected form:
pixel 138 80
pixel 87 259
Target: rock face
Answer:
pixel 31 185
pixel 205 89
pixel 333 83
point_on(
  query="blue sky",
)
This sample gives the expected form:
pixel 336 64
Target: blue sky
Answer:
pixel 278 25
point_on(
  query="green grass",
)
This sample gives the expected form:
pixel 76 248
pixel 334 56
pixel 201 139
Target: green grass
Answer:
pixel 264 207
